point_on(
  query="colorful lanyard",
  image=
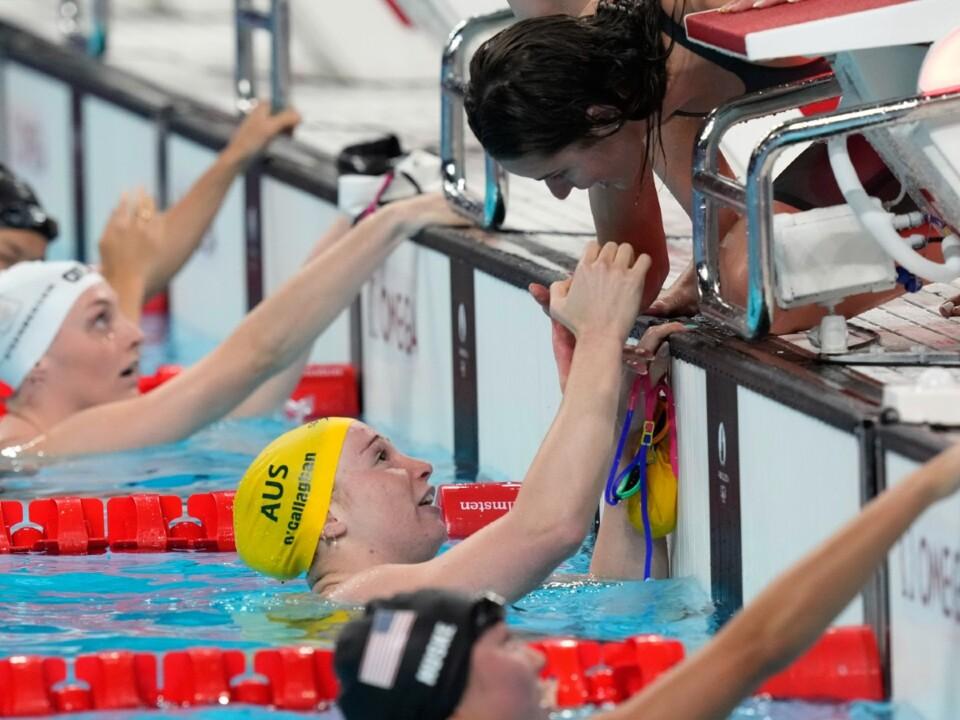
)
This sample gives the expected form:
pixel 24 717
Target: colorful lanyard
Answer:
pixel 633 478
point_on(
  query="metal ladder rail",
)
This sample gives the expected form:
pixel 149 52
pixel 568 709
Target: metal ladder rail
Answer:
pixel 276 21
pixel 490 210
pixel 712 190
pixel 758 198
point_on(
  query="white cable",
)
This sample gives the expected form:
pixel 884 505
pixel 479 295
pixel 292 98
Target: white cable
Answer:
pixel 877 222
pixel 910 220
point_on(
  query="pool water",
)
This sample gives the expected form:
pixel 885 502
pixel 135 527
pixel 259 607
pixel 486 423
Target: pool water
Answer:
pixel 65 606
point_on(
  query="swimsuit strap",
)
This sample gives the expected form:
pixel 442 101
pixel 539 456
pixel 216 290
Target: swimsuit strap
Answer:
pixel 754 77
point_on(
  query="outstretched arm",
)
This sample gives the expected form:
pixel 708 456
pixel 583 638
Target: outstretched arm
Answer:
pixel 269 397
pixel 268 340
pixel 620 551
pixel 792 612
pixel 187 221
pixel 556 504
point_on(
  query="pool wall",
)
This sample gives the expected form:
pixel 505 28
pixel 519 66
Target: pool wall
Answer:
pixel 454 353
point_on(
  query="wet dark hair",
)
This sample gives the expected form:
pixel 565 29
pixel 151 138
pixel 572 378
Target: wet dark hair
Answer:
pixel 532 84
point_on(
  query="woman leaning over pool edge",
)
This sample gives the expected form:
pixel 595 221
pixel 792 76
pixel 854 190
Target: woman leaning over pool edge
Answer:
pixel 72 356
pixel 336 500
pixel 608 93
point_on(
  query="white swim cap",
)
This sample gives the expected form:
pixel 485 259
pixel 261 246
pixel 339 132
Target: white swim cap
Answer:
pixel 35 298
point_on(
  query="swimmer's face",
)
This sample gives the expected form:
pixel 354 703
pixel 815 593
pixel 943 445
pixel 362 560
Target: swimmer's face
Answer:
pixel 505 677
pixel 384 499
pixel 613 161
pixel 94 358
pixel 19 246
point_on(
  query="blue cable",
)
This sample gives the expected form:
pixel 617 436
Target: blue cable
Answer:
pixel 645 511
pixel 610 493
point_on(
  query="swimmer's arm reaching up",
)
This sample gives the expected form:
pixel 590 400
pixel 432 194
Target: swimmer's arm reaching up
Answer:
pixel 187 221
pixel 268 340
pixel 620 551
pixel 269 397
pixel 556 504
pixel 791 613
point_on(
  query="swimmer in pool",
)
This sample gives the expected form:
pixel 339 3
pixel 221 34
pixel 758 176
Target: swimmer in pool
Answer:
pixel 603 95
pixel 71 356
pixel 488 674
pixel 337 501
pixel 137 237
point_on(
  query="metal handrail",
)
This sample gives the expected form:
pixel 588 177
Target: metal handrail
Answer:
pixel 276 21
pixel 70 21
pixel 490 210
pixel 757 194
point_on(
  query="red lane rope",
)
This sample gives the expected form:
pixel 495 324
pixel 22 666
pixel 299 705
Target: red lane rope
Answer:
pixel 147 522
pixel 134 523
pixel 843 666
pixel 290 678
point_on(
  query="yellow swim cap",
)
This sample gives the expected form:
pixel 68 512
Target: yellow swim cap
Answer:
pixel 282 501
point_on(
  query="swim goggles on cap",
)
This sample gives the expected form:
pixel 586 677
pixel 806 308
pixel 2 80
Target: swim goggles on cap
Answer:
pixel 23 216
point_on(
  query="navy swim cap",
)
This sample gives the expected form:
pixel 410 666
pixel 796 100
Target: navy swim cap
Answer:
pixel 20 209
pixel 408 657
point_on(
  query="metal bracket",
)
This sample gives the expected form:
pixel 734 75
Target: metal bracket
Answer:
pixel 490 210
pixel 276 21
pixel 920 357
pixel 756 197
pixel 71 23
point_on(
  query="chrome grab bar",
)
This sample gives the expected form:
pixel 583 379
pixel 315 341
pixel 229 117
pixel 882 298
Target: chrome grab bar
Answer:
pixel 276 21
pixel 71 22
pixel 758 192
pixel 711 190
pixel 490 210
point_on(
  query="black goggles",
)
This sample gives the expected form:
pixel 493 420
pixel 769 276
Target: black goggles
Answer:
pixel 30 217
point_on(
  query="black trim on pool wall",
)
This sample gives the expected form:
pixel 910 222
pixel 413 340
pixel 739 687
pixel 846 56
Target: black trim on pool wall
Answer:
pixel 723 463
pixel 253 235
pixel 916 442
pixel 79 199
pixel 466 422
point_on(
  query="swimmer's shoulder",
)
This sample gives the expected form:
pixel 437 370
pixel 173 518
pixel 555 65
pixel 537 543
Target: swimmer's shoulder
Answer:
pixel 366 585
pixel 17 437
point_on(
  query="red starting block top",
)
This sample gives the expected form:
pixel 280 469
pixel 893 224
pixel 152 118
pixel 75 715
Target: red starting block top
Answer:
pixel 822 27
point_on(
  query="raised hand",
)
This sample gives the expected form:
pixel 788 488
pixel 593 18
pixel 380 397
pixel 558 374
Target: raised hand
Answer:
pixel 132 238
pixel 258 128
pixel 604 296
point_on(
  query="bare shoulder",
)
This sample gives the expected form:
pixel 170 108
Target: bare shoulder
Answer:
pixel 376 582
pixel 19 438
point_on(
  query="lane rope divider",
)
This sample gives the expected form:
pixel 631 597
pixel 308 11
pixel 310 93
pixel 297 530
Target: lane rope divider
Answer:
pixel 843 666
pixel 134 523
pixel 149 522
